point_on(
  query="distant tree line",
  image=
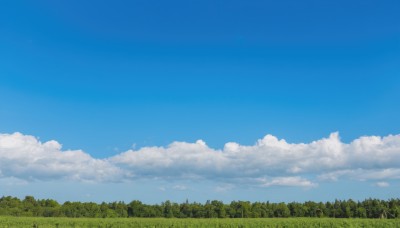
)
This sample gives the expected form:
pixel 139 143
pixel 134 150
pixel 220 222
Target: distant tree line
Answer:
pixel 369 208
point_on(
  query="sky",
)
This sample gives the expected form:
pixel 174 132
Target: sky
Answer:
pixel 175 100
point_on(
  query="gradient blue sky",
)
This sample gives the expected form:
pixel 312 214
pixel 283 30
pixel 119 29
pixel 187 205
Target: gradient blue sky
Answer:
pixel 108 76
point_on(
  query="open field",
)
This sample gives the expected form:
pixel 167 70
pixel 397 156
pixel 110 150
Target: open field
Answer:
pixel 162 222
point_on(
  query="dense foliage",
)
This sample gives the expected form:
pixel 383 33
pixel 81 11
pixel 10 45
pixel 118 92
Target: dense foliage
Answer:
pixel 369 208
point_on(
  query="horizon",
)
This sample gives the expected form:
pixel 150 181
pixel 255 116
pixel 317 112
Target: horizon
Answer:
pixel 191 201
pixel 154 101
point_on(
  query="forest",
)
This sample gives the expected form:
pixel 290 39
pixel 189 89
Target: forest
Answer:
pixel 368 208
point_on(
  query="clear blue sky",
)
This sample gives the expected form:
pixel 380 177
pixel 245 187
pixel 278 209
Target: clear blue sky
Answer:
pixel 108 76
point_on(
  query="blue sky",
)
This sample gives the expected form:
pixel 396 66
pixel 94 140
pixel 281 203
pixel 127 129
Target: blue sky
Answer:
pixel 104 78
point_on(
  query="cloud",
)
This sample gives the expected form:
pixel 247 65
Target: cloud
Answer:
pixel 328 158
pixel 224 188
pixel 180 187
pixel 24 157
pixel 269 162
pixel 12 181
pixel 362 174
pixel 288 181
pixel 382 184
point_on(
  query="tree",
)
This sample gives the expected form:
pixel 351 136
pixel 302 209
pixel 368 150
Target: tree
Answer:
pixel 282 211
pixel 135 208
pixel 168 209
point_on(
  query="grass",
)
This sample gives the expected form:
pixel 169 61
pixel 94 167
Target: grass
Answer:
pixel 22 222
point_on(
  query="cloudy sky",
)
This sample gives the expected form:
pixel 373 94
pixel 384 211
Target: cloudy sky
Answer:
pixel 228 100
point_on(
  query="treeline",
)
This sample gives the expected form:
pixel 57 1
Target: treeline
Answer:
pixel 369 208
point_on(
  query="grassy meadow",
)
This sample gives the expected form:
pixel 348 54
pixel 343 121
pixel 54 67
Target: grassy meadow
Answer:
pixel 163 222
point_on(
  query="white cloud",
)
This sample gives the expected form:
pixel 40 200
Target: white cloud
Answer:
pixel 224 188
pixel 269 162
pixel 362 174
pixel 287 181
pixel 364 158
pixel 180 187
pixel 12 181
pixel 24 157
pixel 382 184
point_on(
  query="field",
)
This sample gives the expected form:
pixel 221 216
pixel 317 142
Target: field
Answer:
pixel 162 222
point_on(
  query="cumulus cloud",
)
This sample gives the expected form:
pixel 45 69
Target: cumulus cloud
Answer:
pixel 328 158
pixel 25 157
pixel 269 162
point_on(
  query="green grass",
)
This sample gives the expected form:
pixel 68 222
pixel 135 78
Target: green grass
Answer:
pixel 162 222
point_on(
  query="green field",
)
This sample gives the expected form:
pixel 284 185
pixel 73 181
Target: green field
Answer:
pixel 163 222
